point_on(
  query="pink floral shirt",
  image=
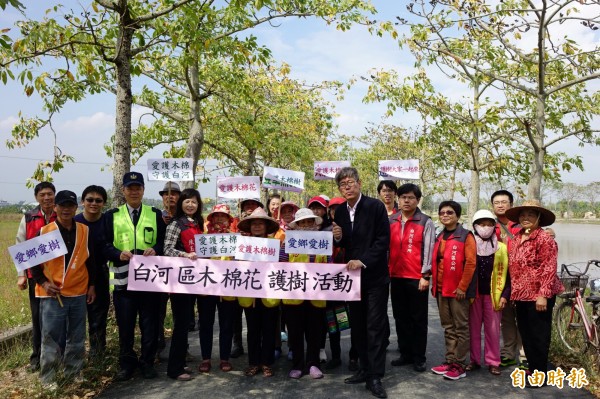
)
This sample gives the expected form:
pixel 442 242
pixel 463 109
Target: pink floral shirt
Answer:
pixel 532 266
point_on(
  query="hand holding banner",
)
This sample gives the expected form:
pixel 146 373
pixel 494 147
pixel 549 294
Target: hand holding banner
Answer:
pixel 277 280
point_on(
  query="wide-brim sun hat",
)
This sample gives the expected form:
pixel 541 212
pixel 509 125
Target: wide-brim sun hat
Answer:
pixel 547 217
pixel 483 214
pixel 220 208
pixel 174 187
pixel 304 214
pixel 258 214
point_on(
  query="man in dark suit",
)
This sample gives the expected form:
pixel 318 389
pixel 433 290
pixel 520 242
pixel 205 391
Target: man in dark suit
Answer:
pixel 361 227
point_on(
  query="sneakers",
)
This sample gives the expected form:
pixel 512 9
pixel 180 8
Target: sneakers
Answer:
pixel 442 369
pixel 456 372
pixel 295 374
pixel 505 361
pixel 315 373
pixel 322 356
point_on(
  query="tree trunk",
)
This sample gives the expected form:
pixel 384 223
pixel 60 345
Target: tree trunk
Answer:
pixel 534 187
pixel 196 139
pixel 475 185
pixel 122 141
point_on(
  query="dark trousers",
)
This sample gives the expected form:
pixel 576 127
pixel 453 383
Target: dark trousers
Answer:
pixel 128 305
pixel 304 321
pixel 208 305
pixel 180 307
pixel 409 306
pixel 335 338
pixel 370 329
pixel 97 313
pixel 36 333
pixel 237 326
pixel 535 328
pixel 261 322
pixel 162 314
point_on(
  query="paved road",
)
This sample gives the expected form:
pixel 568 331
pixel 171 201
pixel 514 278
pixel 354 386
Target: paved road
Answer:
pixel 400 382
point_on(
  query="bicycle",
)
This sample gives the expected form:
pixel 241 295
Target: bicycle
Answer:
pixel 575 328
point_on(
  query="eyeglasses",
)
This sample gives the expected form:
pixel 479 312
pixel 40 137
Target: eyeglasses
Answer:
pixel 408 198
pixel 449 213
pixel 347 184
pixel 501 202
pixel 386 191
pixel 96 200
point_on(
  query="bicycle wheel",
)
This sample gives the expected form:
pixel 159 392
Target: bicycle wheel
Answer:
pixel 570 327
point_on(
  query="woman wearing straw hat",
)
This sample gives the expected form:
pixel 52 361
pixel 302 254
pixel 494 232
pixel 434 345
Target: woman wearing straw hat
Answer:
pixel 219 222
pixel 261 314
pixel 305 318
pixel 532 267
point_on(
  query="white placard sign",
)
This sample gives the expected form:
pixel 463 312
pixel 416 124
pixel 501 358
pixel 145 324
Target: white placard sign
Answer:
pixel 283 179
pixel 238 187
pixel 257 249
pixel 399 169
pixel 209 245
pixel 309 242
pixel 165 169
pixel 326 170
pixel 38 250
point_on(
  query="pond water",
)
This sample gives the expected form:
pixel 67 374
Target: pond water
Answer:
pixel 578 243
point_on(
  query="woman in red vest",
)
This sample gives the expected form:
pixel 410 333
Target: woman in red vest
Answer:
pixel 453 265
pixel 179 241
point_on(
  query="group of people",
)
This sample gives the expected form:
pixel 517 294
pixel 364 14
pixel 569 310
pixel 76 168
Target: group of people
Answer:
pixel 496 275
pixel 500 265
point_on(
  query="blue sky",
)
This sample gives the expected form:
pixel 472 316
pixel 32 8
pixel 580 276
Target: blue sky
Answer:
pixel 315 51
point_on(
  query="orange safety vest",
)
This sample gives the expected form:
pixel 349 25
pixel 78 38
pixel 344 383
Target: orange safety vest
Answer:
pixel 73 279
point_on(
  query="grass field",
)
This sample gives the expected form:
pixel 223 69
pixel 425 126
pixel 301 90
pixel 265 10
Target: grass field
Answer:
pixel 14 304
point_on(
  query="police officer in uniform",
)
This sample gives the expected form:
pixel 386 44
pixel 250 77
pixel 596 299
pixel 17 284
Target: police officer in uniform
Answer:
pixel 134 229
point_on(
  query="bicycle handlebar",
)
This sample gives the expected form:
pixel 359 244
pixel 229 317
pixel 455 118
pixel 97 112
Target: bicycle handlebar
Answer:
pixel 565 268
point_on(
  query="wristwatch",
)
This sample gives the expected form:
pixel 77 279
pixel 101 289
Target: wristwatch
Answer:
pixel 427 277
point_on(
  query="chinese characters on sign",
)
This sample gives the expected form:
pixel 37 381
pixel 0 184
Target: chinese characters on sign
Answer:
pixel 244 279
pixel 575 379
pixel 171 169
pixel 38 250
pixel 399 169
pixel 326 170
pixel 209 245
pixel 257 249
pixel 309 242
pixel 238 187
pixel 283 179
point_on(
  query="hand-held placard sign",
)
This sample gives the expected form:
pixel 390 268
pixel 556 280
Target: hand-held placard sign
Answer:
pixel 277 280
pixel 406 169
pixel 38 250
pixel 283 179
pixel 257 249
pixel 209 245
pixel 165 169
pixel 326 170
pixel 309 242
pixel 238 187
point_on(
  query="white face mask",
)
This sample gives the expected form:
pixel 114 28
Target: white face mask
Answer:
pixel 484 232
